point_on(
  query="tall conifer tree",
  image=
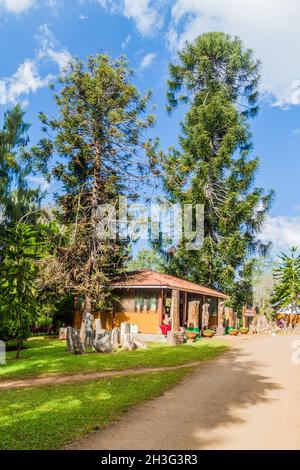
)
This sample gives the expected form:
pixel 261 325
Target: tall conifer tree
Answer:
pixel 95 148
pixel 218 80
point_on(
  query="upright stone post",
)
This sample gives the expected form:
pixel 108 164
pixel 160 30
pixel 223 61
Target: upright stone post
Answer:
pixel 220 327
pixel 229 316
pixel 175 310
pixel 244 317
pixel 205 315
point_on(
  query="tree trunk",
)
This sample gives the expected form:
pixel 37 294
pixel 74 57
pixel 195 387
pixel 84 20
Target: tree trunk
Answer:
pixel 19 347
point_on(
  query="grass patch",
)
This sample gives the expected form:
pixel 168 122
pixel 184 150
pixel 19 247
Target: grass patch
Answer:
pixel 51 417
pixel 47 356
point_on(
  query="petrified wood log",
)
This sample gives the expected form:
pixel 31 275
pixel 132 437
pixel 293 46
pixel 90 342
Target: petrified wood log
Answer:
pixel 98 327
pixel 116 337
pixel 70 346
pixel 101 333
pixel 140 344
pixel 62 333
pixel 74 344
pixel 172 338
pixel 86 330
pixel 125 329
pixel 128 344
pixel 103 345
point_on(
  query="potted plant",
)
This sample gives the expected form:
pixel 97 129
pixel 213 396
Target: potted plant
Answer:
pixel 233 332
pixel 191 336
pixel 208 333
pixel 244 330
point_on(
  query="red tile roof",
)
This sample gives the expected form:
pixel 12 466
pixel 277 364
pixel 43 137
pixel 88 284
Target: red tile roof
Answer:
pixel 147 278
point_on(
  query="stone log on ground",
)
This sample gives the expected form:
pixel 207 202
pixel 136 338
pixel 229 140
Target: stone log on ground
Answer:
pixel 140 344
pixel 98 327
pixel 101 333
pixel 172 338
pixel 86 330
pixel 116 337
pixel 70 346
pixel 103 345
pixel 128 344
pixel 125 329
pixel 77 344
pixel 62 333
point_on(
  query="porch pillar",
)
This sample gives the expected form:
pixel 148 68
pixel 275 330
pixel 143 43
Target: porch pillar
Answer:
pixel 175 310
pixel 161 306
pixel 229 316
pixel 220 327
pixel 185 303
pixel 244 316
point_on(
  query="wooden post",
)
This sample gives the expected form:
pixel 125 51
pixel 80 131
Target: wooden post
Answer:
pixel 185 294
pixel 229 316
pixel 175 310
pixel 244 317
pixel 220 327
pixel 161 306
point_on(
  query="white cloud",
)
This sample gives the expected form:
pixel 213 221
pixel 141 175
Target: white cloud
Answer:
pixel 17 6
pixel 145 16
pixel 54 6
pixel 38 181
pixel 296 131
pixel 83 17
pixel 24 81
pixel 126 42
pixel 145 13
pixel 270 28
pixel 27 78
pixel 148 60
pixel 49 49
pixel 282 231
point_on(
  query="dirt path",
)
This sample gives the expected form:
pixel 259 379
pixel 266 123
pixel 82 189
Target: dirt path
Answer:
pixel 67 379
pixel 247 399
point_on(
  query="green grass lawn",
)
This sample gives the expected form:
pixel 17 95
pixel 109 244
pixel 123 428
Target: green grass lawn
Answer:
pixel 45 356
pixel 51 417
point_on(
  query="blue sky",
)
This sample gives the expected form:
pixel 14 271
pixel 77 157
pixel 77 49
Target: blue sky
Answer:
pixel 37 38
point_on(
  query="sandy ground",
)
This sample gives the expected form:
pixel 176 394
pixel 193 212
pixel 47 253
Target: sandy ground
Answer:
pixel 247 399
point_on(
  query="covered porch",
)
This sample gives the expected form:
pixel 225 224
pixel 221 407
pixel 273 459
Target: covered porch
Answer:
pixel 147 299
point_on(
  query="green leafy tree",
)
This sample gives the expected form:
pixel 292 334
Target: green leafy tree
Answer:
pixel 287 280
pixel 146 259
pixel 217 79
pixel 20 251
pixel 16 197
pixel 95 148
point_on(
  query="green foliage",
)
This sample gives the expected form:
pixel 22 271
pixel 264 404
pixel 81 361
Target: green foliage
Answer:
pixel 287 277
pixel 218 79
pixel 16 198
pixel 146 259
pixel 19 253
pixel 263 286
pixel 99 149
